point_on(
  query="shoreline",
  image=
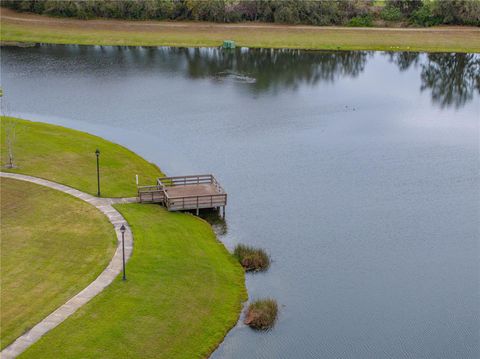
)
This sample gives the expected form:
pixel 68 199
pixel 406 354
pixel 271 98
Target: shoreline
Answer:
pixel 207 234
pixel 24 28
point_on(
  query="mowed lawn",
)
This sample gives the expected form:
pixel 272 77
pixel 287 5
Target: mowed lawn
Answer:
pixel 53 245
pixel 28 28
pixel 183 293
pixel 68 157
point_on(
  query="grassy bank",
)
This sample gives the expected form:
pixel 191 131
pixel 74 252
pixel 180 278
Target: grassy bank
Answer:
pixel 28 28
pixel 68 157
pixel 53 245
pixel 182 294
pixel 184 290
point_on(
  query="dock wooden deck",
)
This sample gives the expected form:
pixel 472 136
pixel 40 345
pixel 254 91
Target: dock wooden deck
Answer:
pixel 185 193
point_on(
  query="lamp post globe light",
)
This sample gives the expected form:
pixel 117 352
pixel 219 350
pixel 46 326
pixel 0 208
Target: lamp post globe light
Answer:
pixel 122 229
pixel 97 152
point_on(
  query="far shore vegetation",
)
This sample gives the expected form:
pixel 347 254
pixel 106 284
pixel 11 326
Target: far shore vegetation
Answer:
pixel 53 246
pixel 306 12
pixel 24 29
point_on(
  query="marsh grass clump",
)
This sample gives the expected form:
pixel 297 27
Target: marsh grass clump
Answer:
pixel 252 259
pixel 261 314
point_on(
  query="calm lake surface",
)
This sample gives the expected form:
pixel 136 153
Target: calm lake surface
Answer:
pixel 357 171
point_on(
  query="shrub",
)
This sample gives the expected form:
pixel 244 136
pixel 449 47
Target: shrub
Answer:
pixel 457 12
pixel 425 17
pixel 261 314
pixel 252 259
pixel 390 13
pixel 286 15
pixel 361 21
pixel 406 7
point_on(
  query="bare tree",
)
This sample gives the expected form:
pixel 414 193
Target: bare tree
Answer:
pixel 10 128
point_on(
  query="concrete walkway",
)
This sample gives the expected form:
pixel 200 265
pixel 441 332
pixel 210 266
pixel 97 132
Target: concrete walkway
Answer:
pixel 102 281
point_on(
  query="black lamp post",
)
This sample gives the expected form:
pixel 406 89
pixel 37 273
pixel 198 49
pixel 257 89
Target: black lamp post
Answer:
pixel 97 152
pixel 122 229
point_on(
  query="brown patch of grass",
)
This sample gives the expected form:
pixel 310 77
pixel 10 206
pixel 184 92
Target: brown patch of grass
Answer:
pixel 262 314
pixel 252 259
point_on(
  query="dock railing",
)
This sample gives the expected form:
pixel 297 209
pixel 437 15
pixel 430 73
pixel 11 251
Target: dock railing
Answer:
pixel 160 193
pixel 189 180
pixel 196 202
pixel 151 194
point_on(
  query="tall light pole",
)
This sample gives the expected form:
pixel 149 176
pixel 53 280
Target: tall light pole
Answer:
pixel 122 229
pixel 97 152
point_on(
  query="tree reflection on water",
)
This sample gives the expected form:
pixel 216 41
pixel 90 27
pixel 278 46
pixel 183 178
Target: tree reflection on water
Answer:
pixel 268 69
pixel 451 78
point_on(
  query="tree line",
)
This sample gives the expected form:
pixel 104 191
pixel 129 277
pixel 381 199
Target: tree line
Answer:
pixel 309 12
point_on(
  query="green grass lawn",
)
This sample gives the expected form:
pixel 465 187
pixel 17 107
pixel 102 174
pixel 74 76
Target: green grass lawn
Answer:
pixel 68 157
pixel 53 245
pixel 184 289
pixel 183 293
pixel 28 28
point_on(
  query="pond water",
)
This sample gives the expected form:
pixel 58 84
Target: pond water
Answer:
pixel 357 171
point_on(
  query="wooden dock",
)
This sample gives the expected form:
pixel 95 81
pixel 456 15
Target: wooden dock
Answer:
pixel 185 193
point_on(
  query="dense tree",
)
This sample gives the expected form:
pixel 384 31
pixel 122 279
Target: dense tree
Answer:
pixel 315 12
pixel 312 12
pixel 458 12
pixel 406 7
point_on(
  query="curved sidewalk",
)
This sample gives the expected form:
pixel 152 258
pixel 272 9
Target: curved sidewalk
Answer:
pixel 102 281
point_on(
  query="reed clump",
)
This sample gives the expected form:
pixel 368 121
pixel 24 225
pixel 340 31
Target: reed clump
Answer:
pixel 252 259
pixel 261 314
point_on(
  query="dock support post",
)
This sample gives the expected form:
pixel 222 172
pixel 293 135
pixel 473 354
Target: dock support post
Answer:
pixel 198 211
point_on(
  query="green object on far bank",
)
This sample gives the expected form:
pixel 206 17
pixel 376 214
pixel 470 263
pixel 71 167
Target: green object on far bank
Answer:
pixel 228 44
